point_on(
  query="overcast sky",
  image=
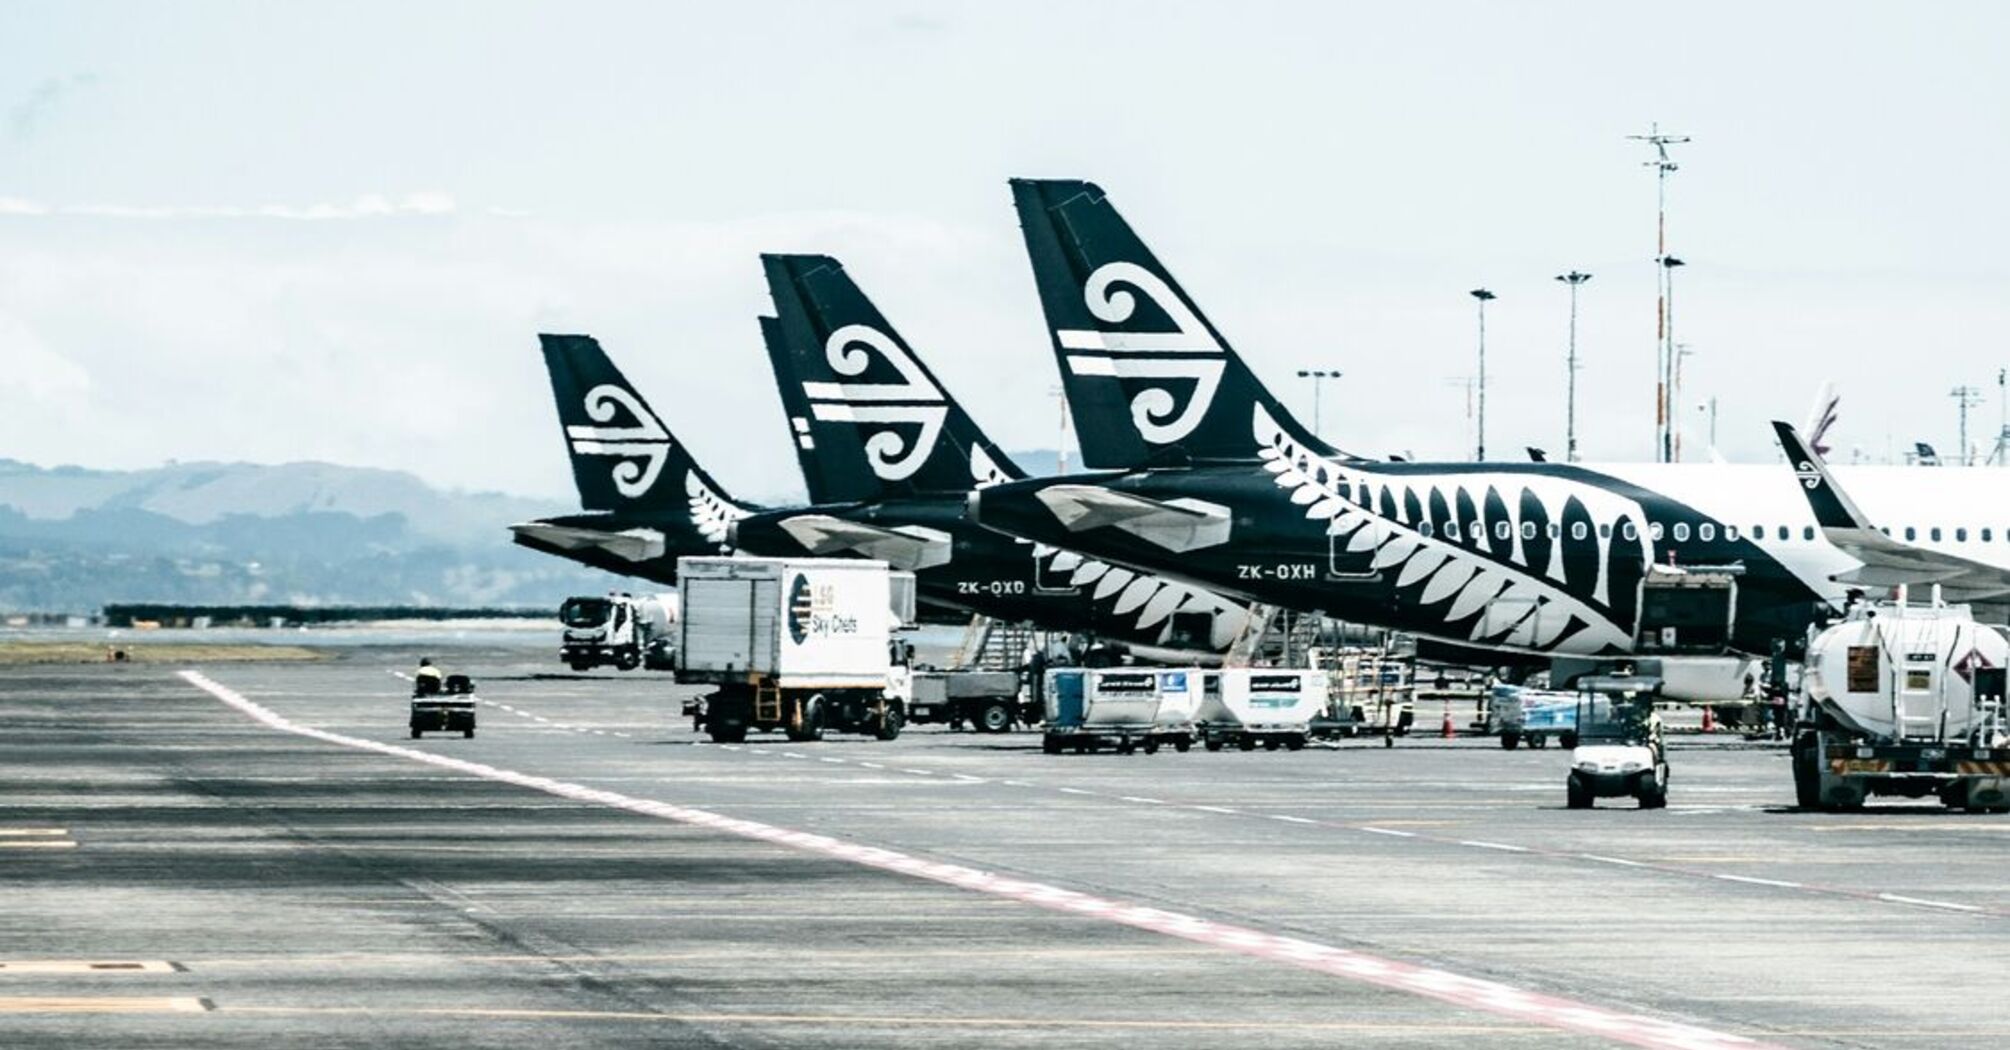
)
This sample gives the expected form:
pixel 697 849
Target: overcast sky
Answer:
pixel 285 231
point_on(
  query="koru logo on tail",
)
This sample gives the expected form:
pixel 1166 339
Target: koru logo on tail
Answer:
pixel 640 445
pixel 904 418
pixel 1188 353
pixel 1811 479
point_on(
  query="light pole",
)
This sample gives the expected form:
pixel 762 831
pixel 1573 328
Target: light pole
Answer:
pixel 1484 297
pixel 1573 279
pixel 1317 375
pixel 1664 416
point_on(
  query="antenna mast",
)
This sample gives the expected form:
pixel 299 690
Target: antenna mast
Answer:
pixel 1967 397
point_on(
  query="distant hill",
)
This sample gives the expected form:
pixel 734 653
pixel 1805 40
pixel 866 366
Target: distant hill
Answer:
pixel 72 539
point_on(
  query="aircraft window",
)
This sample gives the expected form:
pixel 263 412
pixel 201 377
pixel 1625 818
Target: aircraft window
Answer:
pixel 1784 534
pixel 1731 533
pixel 1886 529
pixel 1424 529
pixel 1605 532
pixel 1961 535
pixel 1577 530
pixel 1985 535
pixel 1758 532
pixel 1528 530
pixel 1654 531
pixel 1808 532
pixel 1934 534
pixel 1681 532
pixel 1555 530
pixel 1911 533
pixel 1706 532
pixel 1501 530
pixel 1626 529
pixel 1479 531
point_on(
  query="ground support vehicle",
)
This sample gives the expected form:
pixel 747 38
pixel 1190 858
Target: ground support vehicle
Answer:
pixel 1521 715
pixel 620 629
pixel 1617 748
pixel 434 712
pixel 799 645
pixel 1124 708
pixel 1904 700
pixel 988 701
pixel 1247 708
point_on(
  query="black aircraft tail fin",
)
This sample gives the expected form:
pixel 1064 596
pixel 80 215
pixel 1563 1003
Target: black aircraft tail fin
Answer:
pixel 1149 380
pixel 1832 506
pixel 623 457
pixel 869 419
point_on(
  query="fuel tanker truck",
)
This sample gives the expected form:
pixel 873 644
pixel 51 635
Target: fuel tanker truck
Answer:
pixel 1902 699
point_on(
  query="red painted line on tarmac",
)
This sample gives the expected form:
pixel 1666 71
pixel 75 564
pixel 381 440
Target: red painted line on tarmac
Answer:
pixel 1457 989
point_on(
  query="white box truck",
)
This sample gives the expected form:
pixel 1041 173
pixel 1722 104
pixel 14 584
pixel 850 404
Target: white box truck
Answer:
pixel 799 645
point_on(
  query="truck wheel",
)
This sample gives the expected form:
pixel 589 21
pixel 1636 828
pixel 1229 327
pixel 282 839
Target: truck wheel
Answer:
pixel 1051 745
pixel 890 721
pixel 812 727
pixel 994 717
pixel 1294 743
pixel 1510 740
pixel 1270 743
pixel 467 734
pixel 1212 743
pixel 1576 795
pixel 728 732
pixel 416 733
pixel 1180 745
pixel 1126 746
pixel 1568 739
pixel 1151 746
pixel 628 662
pixel 1807 779
pixel 1245 743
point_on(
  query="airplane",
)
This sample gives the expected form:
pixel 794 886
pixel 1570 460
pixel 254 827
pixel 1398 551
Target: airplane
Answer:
pixel 647 502
pixel 1975 573
pixel 1203 474
pixel 890 460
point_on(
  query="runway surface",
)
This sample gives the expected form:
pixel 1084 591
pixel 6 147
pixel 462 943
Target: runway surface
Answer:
pixel 256 855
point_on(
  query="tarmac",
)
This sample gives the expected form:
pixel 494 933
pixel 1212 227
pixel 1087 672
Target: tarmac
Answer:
pixel 253 855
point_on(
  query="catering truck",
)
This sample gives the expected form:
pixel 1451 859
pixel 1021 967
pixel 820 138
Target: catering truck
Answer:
pixel 620 629
pixel 1902 699
pixel 800 645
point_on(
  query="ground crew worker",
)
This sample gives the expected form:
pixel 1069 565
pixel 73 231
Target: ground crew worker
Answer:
pixel 427 677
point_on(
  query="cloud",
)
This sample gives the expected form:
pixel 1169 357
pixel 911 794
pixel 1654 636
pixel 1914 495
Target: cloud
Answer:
pixel 368 206
pixel 29 114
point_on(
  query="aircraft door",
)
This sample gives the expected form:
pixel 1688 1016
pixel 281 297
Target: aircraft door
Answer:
pixel 1351 556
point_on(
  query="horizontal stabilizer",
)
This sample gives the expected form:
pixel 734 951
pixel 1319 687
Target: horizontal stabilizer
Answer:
pixel 1177 525
pixel 911 548
pixel 635 545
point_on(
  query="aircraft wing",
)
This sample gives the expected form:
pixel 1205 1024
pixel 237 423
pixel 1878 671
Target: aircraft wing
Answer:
pixel 1177 525
pixel 911 548
pixel 1887 562
pixel 628 545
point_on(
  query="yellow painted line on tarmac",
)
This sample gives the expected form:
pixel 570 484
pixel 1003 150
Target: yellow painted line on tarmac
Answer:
pixel 911 1021
pixel 39 966
pixel 1965 825
pixel 102 1004
pixel 722 955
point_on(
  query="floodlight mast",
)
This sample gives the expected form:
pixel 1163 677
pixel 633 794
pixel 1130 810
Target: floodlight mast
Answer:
pixel 1664 329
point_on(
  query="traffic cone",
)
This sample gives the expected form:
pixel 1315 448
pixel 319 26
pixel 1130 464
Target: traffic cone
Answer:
pixel 1709 720
pixel 1446 730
